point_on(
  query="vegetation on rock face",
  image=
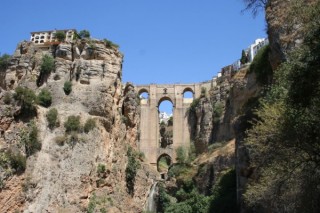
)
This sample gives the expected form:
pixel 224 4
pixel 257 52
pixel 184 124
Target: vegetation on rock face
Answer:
pixel 89 125
pixel 7 99
pixel 244 58
pixel 224 194
pixel 194 104
pixel 182 155
pixel 72 124
pixel 84 34
pixel 67 87
pixel 217 111
pixel 47 64
pixel 255 5
pixel 131 169
pixel 46 67
pixel 29 138
pixel 110 44
pixel 61 36
pixel 52 118
pixel 4 62
pixel 284 144
pixel 44 98
pixel 27 98
pixel 16 161
pixel 261 66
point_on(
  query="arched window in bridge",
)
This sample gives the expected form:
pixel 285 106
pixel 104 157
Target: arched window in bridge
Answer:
pixel 187 95
pixel 144 96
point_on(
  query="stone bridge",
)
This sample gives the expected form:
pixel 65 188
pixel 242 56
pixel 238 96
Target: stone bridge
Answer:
pixel 149 142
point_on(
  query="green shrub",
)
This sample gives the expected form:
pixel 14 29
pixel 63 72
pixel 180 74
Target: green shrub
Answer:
pixel 89 125
pixel 27 99
pixel 84 34
pixel 194 104
pixel 92 204
pixel 52 118
pixel 7 98
pixel 110 44
pixel 131 169
pixel 29 138
pixel 101 169
pixel 67 87
pixel 217 111
pixel 72 124
pixel 61 36
pixel 4 62
pixel 44 98
pixel 17 161
pixel 181 155
pixel 224 194
pixel 261 66
pixel 47 64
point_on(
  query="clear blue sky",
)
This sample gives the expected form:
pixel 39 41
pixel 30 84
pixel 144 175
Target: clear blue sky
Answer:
pixel 167 41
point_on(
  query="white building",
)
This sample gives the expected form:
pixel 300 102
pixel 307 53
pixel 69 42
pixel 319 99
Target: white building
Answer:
pixel 236 65
pixel 163 116
pixel 43 37
pixel 253 49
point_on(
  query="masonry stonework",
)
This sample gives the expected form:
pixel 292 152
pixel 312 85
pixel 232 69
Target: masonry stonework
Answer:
pixel 149 128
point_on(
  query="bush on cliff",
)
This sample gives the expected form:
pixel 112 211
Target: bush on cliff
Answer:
pixel 44 98
pixel 27 99
pixel 89 125
pixel 29 138
pixel 72 124
pixel 131 170
pixel 67 87
pixel 52 118
pixel 4 62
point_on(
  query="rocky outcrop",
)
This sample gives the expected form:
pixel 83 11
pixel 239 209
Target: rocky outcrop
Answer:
pixel 204 124
pixel 66 175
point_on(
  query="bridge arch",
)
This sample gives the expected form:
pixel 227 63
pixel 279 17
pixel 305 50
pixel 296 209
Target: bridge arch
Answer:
pixel 164 161
pixel 188 89
pixel 166 98
pixel 144 95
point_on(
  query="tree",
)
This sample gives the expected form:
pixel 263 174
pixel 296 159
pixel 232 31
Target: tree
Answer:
pixel 47 64
pixel 4 62
pixel 244 58
pixel 84 34
pixel 181 155
pixel 261 66
pixel 61 36
pixel 255 5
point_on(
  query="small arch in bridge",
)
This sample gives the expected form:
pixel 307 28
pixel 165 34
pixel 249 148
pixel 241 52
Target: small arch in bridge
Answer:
pixel 188 95
pixel 144 96
pixel 165 98
pixel 164 161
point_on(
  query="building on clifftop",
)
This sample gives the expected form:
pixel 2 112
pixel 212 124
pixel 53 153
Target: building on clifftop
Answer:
pixel 43 37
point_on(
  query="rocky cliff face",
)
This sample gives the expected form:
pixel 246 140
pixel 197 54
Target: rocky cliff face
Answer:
pixel 77 172
pixel 285 21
